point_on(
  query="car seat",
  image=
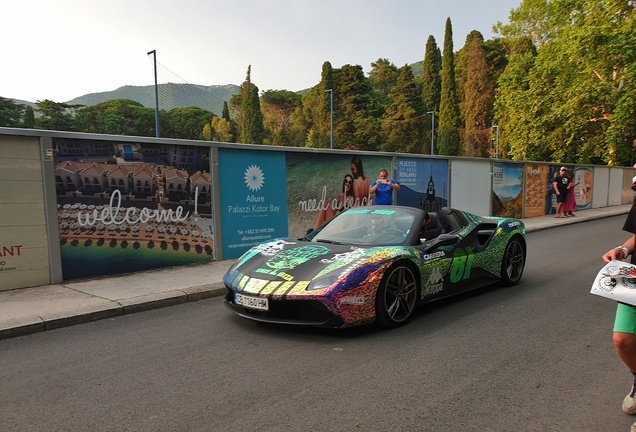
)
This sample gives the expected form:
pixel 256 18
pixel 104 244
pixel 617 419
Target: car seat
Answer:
pixel 444 219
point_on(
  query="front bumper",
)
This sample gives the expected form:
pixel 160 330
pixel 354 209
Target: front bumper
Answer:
pixel 297 312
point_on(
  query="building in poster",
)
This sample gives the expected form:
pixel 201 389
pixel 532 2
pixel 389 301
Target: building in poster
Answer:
pixel 124 207
pixel 423 183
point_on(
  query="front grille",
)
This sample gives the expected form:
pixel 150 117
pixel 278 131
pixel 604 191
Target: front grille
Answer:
pixel 311 312
pixel 300 310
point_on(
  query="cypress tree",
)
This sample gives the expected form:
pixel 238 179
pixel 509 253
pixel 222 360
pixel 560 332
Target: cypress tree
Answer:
pixel 29 118
pixel 226 111
pixel 478 93
pixel 251 130
pixel 431 80
pixel 449 118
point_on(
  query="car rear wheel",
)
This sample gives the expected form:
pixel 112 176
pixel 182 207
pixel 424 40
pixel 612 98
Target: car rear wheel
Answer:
pixel 513 262
pixel 397 296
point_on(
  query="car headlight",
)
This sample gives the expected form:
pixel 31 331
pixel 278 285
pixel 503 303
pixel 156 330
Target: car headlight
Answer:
pixel 323 281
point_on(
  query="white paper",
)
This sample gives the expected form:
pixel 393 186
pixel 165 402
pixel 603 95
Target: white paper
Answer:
pixel 616 281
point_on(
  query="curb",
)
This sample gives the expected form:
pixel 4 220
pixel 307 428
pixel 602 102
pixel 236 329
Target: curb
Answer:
pixel 574 221
pixel 34 324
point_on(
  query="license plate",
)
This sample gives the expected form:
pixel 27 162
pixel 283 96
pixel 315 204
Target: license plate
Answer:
pixel 257 303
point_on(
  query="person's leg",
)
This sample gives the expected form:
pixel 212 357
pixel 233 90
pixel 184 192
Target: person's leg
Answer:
pixel 625 344
pixel 624 338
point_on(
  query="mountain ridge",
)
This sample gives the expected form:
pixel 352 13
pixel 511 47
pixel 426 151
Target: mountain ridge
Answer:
pixel 171 95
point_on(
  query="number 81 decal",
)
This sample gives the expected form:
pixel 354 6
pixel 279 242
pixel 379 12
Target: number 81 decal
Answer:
pixel 461 265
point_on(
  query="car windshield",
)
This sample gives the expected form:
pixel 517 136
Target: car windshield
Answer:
pixel 367 226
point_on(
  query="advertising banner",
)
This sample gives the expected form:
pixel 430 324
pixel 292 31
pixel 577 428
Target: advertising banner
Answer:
pixel 131 207
pixel 253 198
pixel 24 253
pixel 423 183
pixel 535 186
pixel 319 186
pixel 584 177
pixel 507 188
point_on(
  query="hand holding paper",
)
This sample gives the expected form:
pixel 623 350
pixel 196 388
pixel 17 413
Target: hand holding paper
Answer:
pixel 616 281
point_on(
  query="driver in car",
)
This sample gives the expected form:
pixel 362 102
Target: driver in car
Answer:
pixel 378 226
pixel 429 230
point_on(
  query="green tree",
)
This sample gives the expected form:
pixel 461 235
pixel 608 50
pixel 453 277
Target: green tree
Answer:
pixel 226 111
pixel 431 82
pixel 511 106
pixel 218 129
pixel 226 116
pixel 403 122
pixel 10 113
pixel 431 78
pixel 576 97
pixel 496 58
pixel 28 120
pixel 382 78
pixel 313 118
pixel 449 117
pixel 55 116
pixel 251 126
pixel 354 127
pixel 185 123
pixel 116 117
pixel 278 107
pixel 478 98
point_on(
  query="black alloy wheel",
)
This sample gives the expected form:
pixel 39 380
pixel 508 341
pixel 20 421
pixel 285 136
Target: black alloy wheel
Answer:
pixel 397 296
pixel 513 262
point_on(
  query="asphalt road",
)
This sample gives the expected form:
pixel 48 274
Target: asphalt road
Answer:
pixel 536 357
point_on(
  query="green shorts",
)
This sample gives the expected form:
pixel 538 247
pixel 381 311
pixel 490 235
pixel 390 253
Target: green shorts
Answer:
pixel 625 321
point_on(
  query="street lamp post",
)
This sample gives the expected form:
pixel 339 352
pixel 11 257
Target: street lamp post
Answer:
pixel 496 128
pixel 154 56
pixel 330 91
pixel 432 113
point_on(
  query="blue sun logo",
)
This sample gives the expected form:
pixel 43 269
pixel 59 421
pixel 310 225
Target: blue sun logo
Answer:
pixel 254 178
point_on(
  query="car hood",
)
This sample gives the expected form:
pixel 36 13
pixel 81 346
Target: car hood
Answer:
pixel 294 260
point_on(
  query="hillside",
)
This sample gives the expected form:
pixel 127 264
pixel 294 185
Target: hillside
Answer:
pixel 171 96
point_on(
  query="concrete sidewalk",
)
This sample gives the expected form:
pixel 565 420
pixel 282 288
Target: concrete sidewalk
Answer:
pixel 29 310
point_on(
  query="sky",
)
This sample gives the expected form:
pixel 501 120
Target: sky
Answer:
pixel 63 49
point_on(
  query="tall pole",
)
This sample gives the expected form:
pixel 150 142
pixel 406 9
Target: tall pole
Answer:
pixel 496 128
pixel 432 113
pixel 154 56
pixel 330 91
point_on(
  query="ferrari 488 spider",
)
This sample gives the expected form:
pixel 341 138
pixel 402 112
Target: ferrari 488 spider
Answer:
pixel 374 264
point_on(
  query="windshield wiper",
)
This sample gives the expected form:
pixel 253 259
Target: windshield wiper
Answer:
pixel 329 241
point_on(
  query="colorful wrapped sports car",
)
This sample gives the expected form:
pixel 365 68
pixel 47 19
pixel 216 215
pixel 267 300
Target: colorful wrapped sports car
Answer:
pixel 374 264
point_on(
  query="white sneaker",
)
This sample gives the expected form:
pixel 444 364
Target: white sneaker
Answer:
pixel 629 407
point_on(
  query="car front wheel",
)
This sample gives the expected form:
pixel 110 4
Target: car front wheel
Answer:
pixel 397 296
pixel 513 262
